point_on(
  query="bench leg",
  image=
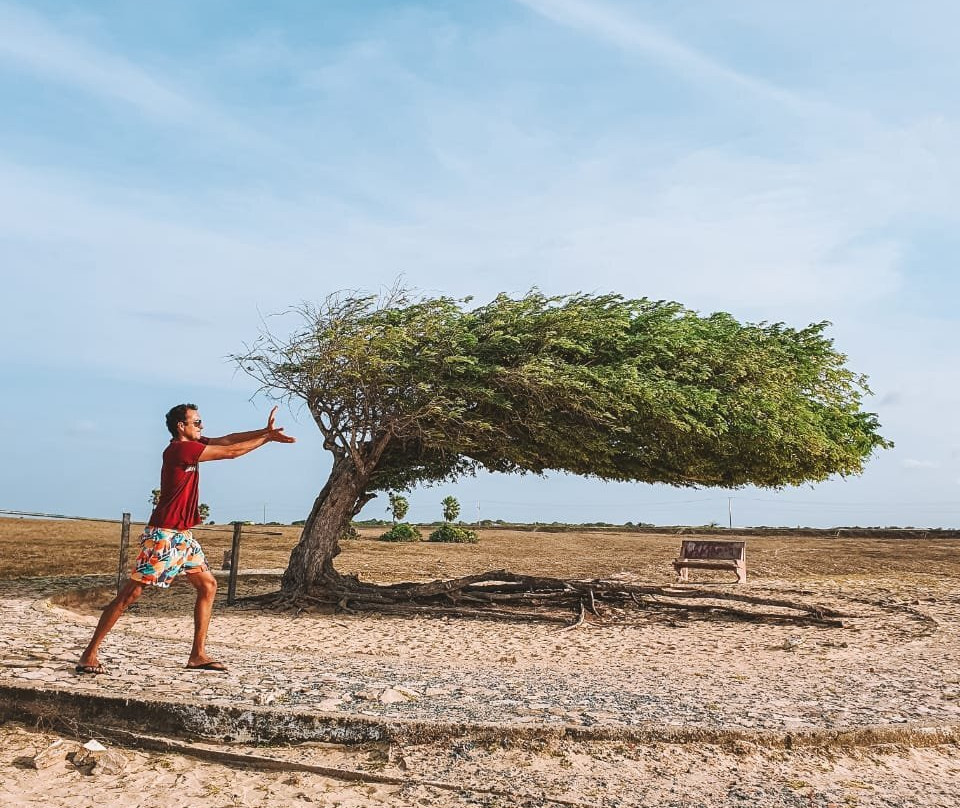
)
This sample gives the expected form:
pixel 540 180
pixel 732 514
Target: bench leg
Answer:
pixel 741 572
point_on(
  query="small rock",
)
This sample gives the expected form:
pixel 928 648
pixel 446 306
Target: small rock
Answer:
pixel 329 705
pixel 57 751
pixel 110 762
pixel 393 696
pixel 94 758
pixel 269 697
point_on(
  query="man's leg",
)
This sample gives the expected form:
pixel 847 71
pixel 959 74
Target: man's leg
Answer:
pixel 206 586
pixel 127 595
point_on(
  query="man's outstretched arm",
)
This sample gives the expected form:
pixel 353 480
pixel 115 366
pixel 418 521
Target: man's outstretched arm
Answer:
pixel 240 437
pixel 217 449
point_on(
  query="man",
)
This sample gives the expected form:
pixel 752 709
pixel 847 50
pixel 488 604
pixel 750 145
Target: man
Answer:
pixel 167 546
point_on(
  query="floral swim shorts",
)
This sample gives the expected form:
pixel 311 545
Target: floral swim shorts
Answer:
pixel 164 554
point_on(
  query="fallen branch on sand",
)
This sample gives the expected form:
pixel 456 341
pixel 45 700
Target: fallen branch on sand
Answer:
pixel 261 762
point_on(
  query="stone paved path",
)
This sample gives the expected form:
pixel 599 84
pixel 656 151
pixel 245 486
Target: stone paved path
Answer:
pixel 887 669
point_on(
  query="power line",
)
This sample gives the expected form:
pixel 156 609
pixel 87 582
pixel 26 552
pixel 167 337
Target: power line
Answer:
pixel 624 504
pixel 873 504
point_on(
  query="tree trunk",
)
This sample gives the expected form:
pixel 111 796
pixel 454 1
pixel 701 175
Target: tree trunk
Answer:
pixel 311 563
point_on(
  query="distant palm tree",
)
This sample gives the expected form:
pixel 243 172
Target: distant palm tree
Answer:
pixel 451 508
pixel 399 505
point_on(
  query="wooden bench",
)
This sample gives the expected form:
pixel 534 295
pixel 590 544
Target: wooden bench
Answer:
pixel 712 555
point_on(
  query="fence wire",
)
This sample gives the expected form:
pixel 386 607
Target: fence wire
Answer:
pixel 204 528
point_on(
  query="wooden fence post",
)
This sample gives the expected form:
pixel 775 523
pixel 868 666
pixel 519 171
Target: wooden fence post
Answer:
pixel 124 548
pixel 234 563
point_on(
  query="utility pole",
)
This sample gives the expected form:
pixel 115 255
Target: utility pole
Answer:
pixel 478 513
pixel 730 511
pixel 264 513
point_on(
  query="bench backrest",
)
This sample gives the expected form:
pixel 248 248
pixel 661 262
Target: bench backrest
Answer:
pixel 713 550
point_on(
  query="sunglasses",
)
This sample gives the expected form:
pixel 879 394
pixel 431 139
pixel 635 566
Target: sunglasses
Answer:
pixel 197 423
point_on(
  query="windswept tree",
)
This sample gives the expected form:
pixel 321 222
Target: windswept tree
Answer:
pixel 411 390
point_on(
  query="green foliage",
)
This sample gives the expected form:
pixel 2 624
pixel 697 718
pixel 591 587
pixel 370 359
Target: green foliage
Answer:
pixel 399 506
pixel 421 390
pixel 454 533
pixel 155 497
pixel 451 508
pixel 402 531
pixel 204 510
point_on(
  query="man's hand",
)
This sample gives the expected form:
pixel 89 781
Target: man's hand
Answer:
pixel 277 436
pixel 275 433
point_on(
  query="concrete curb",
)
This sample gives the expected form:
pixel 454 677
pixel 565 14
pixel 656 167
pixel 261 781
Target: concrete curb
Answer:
pixel 263 725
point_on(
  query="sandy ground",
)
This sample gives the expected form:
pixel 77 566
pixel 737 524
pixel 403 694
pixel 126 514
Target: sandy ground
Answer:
pixel 559 773
pixel 897 663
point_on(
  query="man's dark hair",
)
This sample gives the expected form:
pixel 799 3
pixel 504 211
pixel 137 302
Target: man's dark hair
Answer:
pixel 176 415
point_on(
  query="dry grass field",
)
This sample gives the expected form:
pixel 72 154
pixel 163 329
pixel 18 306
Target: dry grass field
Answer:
pixel 57 547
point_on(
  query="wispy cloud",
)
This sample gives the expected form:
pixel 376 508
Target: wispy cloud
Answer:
pixel 30 43
pixel 626 31
pixel 47 50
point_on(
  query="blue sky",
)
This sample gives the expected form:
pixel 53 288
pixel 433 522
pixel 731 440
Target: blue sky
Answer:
pixel 170 174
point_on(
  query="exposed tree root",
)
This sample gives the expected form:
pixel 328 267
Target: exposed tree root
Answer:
pixel 503 595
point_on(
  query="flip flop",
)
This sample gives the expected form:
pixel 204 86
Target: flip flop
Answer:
pixel 209 666
pixel 90 670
